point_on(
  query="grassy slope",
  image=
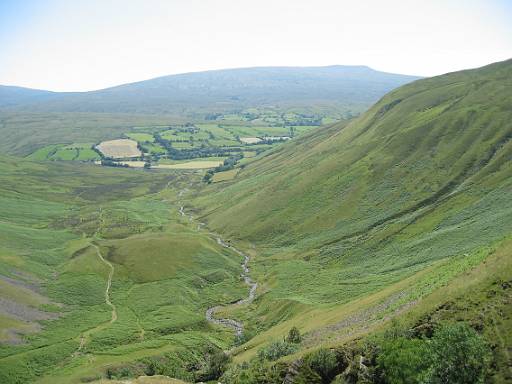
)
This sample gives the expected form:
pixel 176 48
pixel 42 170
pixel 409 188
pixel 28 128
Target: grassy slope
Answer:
pixel 420 181
pixel 440 133
pixel 166 274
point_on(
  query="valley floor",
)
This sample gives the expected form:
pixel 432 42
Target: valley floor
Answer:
pixel 126 276
pixel 141 278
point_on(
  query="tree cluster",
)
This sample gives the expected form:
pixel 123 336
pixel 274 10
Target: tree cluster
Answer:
pixel 454 354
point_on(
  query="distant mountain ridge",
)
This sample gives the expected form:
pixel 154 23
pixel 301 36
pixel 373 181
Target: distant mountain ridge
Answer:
pixel 233 88
pixel 12 95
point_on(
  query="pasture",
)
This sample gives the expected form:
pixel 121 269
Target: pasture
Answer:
pixel 176 142
pixel 70 152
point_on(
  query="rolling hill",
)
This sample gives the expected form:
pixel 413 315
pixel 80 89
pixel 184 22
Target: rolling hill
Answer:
pixel 191 94
pixel 368 238
pixel 13 96
pixel 387 209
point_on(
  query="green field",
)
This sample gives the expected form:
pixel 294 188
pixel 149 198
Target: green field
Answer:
pixel 77 152
pixel 140 137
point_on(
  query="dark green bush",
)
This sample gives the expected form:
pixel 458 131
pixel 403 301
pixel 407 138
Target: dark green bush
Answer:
pixel 276 350
pixel 459 356
pixel 404 361
pixel 214 364
pixel 456 354
pixel 294 336
pixel 324 363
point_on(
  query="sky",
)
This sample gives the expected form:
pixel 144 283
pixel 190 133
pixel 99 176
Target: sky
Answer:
pixel 73 45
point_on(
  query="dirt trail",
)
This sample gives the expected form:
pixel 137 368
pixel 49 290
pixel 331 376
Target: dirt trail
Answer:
pixel 85 336
pixel 237 326
pixel 109 283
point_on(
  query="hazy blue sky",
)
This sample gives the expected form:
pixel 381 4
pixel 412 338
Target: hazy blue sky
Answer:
pixel 83 45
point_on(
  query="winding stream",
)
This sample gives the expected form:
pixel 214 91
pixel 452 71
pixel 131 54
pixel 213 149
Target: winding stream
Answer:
pixel 237 326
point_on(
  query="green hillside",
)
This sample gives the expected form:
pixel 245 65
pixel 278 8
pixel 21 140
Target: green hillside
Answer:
pixel 379 213
pixel 67 232
pixel 381 247
pixel 420 143
pixel 11 96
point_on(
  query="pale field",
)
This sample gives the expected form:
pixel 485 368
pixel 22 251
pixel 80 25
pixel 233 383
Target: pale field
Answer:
pixel 250 140
pixel 119 148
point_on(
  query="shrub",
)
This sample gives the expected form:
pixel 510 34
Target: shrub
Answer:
pixel 456 354
pixel 294 336
pixel 459 356
pixel 324 363
pixel 276 350
pixel 215 364
pixel 276 373
pixel 404 361
pixel 307 376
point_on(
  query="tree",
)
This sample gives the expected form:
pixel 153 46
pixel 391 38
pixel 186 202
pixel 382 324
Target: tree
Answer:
pixel 276 373
pixel 207 178
pixel 294 336
pixel 404 361
pixel 324 363
pixel 459 356
pixel 216 362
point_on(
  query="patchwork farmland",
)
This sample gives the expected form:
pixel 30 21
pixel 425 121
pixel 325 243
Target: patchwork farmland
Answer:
pixel 215 146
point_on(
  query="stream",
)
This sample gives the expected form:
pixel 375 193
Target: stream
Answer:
pixel 237 326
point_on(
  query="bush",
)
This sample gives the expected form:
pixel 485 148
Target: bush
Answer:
pixel 214 366
pixel 306 375
pixel 324 363
pixel 276 350
pixel 294 336
pixel 276 373
pixel 456 354
pixel 404 361
pixel 459 356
